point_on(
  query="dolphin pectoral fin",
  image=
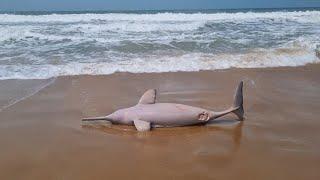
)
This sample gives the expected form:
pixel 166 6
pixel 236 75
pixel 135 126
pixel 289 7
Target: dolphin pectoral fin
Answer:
pixel 149 97
pixel 142 125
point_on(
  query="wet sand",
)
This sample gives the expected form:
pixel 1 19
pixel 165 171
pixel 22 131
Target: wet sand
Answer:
pixel 41 136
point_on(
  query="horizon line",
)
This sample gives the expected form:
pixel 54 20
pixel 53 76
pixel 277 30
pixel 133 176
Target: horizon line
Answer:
pixel 178 9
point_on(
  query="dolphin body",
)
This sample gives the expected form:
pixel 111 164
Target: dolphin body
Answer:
pixel 147 113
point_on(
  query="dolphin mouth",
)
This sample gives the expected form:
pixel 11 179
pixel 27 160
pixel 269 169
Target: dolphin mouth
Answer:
pixel 101 118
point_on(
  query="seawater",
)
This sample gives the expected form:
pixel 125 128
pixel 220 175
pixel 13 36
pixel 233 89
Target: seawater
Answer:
pixel 40 45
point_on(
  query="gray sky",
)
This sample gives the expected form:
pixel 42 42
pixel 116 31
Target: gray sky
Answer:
pixel 63 5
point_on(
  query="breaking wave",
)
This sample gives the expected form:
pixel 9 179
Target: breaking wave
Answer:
pixel 188 62
pixel 44 46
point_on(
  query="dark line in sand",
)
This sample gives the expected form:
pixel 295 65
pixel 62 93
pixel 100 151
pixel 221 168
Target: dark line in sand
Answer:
pixel 29 95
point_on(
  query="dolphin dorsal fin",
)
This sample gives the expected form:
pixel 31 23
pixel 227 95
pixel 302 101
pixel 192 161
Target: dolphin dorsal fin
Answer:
pixel 149 97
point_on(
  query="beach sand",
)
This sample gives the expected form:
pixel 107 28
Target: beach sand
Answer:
pixel 41 136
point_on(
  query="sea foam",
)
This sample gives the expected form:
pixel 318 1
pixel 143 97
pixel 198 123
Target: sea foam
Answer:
pixel 188 62
pixel 44 46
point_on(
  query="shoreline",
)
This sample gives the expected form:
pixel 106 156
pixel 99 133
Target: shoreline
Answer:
pixel 43 83
pixel 42 137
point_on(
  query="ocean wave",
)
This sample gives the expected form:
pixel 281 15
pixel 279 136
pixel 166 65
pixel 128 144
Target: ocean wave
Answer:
pixel 43 46
pixel 300 16
pixel 189 62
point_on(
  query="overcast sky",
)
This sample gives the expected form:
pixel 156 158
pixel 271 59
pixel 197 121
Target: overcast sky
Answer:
pixel 64 5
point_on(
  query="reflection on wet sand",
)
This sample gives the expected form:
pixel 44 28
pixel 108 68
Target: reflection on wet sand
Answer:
pixel 219 140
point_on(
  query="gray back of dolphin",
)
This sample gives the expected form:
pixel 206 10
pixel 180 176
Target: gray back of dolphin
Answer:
pixel 147 113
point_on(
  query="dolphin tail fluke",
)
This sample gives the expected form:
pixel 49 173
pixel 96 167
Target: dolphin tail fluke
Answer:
pixel 238 102
pixel 236 108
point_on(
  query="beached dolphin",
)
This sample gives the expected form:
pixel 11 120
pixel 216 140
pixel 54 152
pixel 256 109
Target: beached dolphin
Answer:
pixel 147 113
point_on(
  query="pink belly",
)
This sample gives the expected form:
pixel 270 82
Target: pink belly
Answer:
pixel 168 114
